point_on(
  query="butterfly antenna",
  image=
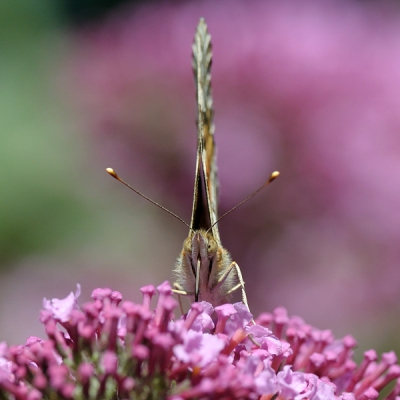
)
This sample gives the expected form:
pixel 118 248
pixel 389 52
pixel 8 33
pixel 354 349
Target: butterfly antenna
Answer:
pixel 115 176
pixel 271 178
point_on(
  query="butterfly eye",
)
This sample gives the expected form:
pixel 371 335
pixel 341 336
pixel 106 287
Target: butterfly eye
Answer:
pixel 211 247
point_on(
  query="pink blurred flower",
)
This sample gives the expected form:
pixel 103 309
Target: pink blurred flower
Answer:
pixel 61 309
pixel 167 358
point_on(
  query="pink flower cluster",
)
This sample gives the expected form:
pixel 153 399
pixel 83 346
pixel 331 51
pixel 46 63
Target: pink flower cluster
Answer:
pixel 113 349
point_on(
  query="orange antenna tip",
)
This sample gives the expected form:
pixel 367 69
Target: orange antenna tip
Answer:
pixel 273 176
pixel 112 173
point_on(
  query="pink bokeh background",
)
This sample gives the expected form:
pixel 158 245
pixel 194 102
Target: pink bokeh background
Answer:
pixel 311 89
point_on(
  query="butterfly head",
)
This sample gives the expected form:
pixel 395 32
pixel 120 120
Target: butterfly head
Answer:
pixel 200 254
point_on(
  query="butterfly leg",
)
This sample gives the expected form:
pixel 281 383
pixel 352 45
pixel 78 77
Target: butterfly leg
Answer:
pixel 241 283
pixel 244 296
pixel 221 280
pixel 179 291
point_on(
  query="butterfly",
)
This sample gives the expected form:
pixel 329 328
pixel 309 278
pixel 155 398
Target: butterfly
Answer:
pixel 204 269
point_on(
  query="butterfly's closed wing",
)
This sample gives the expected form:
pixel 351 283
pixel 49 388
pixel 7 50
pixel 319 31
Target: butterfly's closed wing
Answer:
pixel 204 212
pixel 204 268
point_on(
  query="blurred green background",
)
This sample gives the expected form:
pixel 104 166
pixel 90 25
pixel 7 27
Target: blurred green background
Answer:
pixel 61 221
